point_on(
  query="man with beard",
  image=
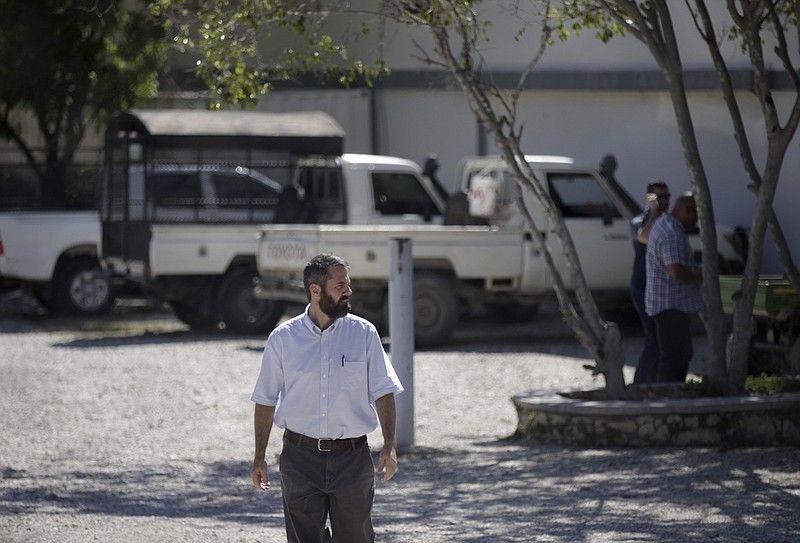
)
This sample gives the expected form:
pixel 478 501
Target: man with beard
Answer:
pixel 327 382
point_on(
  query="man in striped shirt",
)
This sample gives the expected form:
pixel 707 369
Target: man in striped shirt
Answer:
pixel 672 293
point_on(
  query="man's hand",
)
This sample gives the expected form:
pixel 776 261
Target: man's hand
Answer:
pixel 262 420
pixel 683 274
pixel 652 201
pixel 387 463
pixel 260 475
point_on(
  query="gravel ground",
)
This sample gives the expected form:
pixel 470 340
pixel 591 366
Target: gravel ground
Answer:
pixel 133 429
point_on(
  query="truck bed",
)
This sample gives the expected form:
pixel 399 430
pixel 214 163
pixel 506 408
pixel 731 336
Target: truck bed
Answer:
pixel 775 296
pixel 472 252
pixel 34 240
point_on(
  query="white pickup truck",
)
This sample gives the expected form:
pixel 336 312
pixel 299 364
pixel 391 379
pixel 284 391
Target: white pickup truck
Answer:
pixel 55 254
pixel 455 267
pixel 203 264
pixel 184 191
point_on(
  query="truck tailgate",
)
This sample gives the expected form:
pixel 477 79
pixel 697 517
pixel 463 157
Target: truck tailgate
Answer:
pixel 473 252
pixel 196 249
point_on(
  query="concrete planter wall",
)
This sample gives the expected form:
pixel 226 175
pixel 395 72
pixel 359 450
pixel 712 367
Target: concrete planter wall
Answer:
pixel 557 417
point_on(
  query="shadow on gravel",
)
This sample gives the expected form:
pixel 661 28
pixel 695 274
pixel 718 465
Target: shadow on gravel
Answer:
pixel 214 491
pixel 546 334
pixel 148 323
pixel 487 492
pixel 148 338
pixel 520 491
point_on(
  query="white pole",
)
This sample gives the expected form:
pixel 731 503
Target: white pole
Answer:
pixel 401 334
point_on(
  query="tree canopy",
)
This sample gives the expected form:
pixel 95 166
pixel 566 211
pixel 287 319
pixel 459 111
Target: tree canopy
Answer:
pixel 244 47
pixel 71 63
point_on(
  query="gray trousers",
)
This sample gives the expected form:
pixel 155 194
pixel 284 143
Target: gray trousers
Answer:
pixel 336 485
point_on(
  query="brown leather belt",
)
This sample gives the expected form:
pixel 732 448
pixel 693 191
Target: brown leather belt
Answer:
pixel 324 445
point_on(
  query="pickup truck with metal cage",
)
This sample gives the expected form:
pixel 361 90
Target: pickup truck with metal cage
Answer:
pixel 195 248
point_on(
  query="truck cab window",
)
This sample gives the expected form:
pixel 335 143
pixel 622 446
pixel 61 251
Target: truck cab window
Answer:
pixel 239 190
pixel 322 193
pixel 176 189
pixel 239 197
pixel 401 193
pixel 581 196
pixel 175 195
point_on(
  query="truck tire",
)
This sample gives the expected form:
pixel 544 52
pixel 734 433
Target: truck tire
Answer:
pixel 436 309
pixel 43 295
pixel 239 308
pixel 193 314
pixel 512 312
pixel 80 289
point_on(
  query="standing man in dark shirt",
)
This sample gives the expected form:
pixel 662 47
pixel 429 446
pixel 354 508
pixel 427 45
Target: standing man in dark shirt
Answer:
pixel 657 203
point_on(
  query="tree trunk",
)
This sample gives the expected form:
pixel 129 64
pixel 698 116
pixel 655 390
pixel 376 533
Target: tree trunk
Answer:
pixel 651 23
pixel 714 320
pixel 602 340
pixel 744 302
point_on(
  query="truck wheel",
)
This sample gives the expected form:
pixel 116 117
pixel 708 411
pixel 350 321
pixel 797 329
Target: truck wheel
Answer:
pixel 512 312
pixel 436 309
pixel 80 289
pixel 379 316
pixel 239 308
pixel 42 293
pixel 194 315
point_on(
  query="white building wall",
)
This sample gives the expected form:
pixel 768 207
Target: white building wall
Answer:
pixel 351 108
pixel 638 128
pixel 508 49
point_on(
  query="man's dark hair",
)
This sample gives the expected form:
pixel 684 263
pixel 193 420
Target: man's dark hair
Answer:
pixel 656 184
pixel 317 271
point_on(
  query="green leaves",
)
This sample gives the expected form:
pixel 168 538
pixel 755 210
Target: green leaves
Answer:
pixel 71 62
pixel 574 16
pixel 243 47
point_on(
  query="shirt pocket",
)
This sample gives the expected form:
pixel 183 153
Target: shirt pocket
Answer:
pixel 354 373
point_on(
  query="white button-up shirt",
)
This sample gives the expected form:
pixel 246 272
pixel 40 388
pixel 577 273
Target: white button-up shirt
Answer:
pixel 325 383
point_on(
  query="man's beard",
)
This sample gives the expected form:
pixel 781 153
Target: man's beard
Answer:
pixel 332 308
